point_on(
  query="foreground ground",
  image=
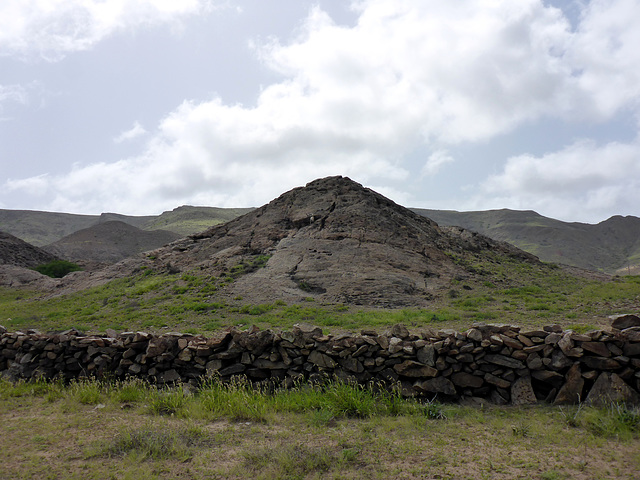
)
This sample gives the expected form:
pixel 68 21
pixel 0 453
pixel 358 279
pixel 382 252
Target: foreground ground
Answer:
pixel 131 431
pixel 97 431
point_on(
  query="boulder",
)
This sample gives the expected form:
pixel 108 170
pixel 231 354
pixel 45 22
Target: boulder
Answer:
pixel 571 391
pixel 621 322
pixel 610 388
pixel 522 392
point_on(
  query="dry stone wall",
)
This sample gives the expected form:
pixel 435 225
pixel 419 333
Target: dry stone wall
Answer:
pixel 499 364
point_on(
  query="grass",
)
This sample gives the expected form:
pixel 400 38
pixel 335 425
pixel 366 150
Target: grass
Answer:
pixel 508 292
pixel 132 430
pixel 48 430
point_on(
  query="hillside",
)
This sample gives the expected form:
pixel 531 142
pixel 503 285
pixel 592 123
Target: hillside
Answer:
pixel 337 242
pixel 14 251
pixel 609 246
pixel 186 220
pixel 108 242
pixel 44 228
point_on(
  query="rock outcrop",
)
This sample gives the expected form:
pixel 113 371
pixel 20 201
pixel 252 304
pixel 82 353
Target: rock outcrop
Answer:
pixel 338 242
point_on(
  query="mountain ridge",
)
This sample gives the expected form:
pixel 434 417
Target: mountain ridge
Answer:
pixel 611 246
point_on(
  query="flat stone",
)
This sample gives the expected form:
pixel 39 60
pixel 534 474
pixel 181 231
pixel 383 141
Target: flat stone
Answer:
pixel 474 334
pixel 571 391
pixel 504 361
pixel 610 388
pixel 565 343
pixel 598 348
pixel 600 363
pixel 625 321
pixel 321 360
pixel 268 364
pixel 409 368
pixel 399 330
pixel 497 381
pixel 232 370
pixel 559 361
pixel 436 385
pixel 522 392
pixel 426 355
pixel 466 380
pixel 351 364
pixel 170 376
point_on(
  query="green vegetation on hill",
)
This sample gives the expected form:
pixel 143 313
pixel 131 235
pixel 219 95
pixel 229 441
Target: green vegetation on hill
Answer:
pixel 191 302
pixel 187 220
pixel 57 268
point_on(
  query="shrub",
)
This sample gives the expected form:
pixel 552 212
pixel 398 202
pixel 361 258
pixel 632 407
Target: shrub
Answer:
pixel 57 268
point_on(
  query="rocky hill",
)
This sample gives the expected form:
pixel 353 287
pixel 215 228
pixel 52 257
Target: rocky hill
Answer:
pixel 108 242
pixel 14 251
pixel 337 242
pixel 611 246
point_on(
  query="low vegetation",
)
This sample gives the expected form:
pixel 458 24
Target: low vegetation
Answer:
pixel 195 303
pixel 95 430
pixel 130 429
pixel 57 268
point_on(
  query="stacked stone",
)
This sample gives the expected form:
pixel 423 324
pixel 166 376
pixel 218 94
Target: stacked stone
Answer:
pixel 499 364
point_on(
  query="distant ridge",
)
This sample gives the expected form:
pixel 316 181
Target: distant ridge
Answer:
pixel 108 242
pixel 611 246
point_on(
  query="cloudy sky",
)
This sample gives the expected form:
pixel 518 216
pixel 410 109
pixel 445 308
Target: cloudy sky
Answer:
pixel 139 106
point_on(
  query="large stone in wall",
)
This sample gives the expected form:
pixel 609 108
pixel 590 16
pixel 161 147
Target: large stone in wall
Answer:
pixel 571 391
pixel 435 385
pixel 625 321
pixel 322 360
pixel 610 388
pixel 522 392
pixel 409 368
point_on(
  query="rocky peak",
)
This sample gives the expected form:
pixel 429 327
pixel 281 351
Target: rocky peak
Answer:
pixel 337 242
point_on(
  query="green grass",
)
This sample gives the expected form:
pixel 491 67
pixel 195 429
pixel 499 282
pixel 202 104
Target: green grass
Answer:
pixel 331 431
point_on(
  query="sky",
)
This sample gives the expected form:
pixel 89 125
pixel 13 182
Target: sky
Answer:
pixel 140 106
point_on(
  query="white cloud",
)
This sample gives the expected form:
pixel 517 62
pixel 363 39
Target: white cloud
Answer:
pixel 13 93
pixel 134 132
pixel 435 161
pixel 53 28
pixel 584 181
pixel 355 100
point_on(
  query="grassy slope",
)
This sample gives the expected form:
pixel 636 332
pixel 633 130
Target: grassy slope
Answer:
pixel 517 293
pixel 132 431
pixel 187 220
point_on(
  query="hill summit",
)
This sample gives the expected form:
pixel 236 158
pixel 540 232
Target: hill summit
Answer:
pixel 337 242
